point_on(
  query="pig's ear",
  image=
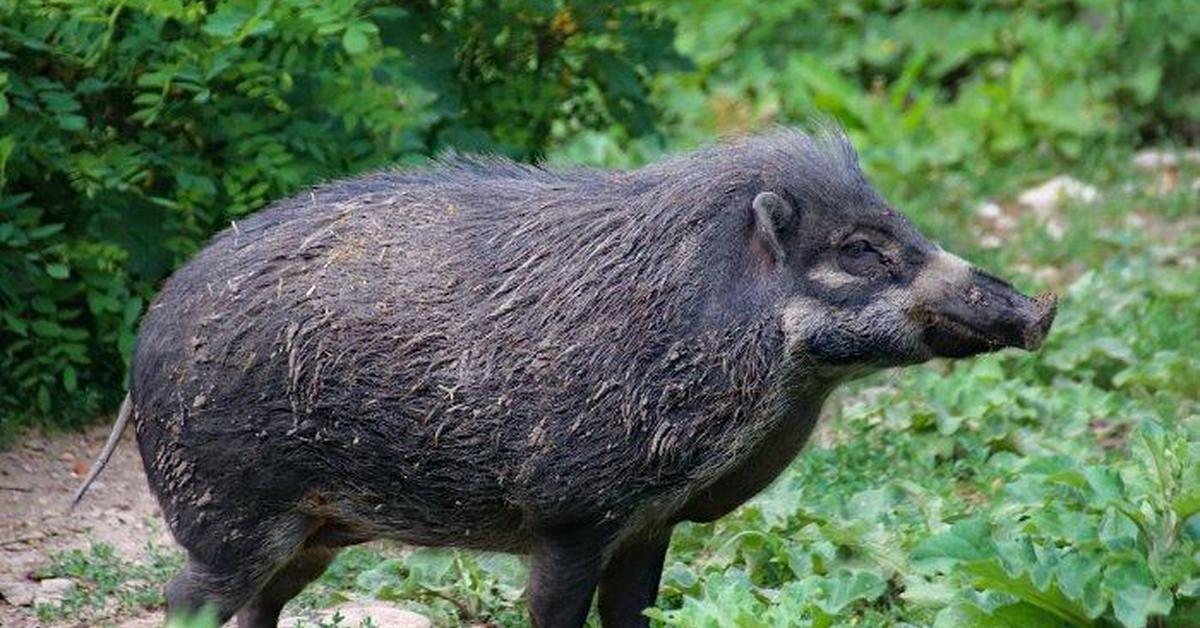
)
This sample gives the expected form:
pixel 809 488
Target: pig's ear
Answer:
pixel 771 215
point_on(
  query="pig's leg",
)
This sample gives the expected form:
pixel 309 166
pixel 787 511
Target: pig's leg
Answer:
pixel 629 583
pixel 263 610
pixel 196 587
pixel 226 575
pixel 562 580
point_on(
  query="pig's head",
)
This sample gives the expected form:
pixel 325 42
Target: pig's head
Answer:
pixel 860 288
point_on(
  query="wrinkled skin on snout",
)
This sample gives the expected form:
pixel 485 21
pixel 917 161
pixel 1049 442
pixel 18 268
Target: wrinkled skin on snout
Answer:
pixel 562 364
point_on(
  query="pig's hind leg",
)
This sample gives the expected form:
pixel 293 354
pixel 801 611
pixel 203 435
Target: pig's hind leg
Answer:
pixel 227 575
pixel 263 609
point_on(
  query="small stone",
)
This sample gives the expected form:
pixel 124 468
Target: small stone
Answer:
pixel 1051 194
pixel 1155 159
pixel 990 241
pixel 1135 220
pixel 353 615
pixel 53 591
pixel 1055 230
pixel 149 621
pixel 990 210
pixel 16 593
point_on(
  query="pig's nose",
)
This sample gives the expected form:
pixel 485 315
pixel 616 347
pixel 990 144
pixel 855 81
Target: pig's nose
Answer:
pixel 1045 306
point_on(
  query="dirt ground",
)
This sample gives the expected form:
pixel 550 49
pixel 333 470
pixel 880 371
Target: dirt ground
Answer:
pixel 37 478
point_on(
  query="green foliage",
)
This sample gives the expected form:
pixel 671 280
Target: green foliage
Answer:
pixel 204 619
pixel 450 587
pixel 927 88
pixel 1072 543
pixel 131 131
pixel 102 576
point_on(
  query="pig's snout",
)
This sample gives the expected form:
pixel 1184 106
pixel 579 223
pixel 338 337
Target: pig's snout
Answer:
pixel 982 313
pixel 1045 307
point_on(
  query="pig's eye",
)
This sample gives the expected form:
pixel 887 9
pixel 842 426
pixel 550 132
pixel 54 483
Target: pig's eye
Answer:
pixel 858 257
pixel 858 248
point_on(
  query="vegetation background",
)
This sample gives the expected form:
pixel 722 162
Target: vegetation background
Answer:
pixel 1056 489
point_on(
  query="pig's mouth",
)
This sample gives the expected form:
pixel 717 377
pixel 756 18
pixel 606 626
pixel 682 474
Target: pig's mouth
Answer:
pixel 948 337
pixel 988 315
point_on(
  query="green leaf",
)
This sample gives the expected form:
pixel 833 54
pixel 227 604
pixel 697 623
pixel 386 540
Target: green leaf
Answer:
pixel 227 21
pixel 58 271
pixel 355 40
pixel 1105 482
pixel 834 593
pixel 72 122
pixel 1118 531
pixel 43 399
pixel 965 541
pixel 1079 579
pixel 988 574
pixel 1134 604
pixel 44 231
pixel 133 307
pixel 46 329
pixel 1019 615
pixel 70 378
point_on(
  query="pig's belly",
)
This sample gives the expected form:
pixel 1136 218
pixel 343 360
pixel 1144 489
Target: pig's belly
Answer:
pixel 438 503
pixel 501 531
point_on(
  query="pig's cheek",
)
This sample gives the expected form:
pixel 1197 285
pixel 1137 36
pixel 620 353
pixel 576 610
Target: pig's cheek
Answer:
pixel 802 318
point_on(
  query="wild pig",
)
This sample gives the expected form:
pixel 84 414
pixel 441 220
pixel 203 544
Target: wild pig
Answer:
pixel 492 355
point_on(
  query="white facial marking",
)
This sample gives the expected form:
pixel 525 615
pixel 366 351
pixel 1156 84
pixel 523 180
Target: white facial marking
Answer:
pixel 801 316
pixel 942 271
pixel 830 276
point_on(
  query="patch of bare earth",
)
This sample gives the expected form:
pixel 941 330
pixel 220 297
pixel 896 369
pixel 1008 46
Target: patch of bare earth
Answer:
pixel 37 478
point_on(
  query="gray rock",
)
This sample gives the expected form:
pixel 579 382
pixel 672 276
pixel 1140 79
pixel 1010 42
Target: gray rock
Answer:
pixel 355 613
pixel 53 591
pixel 990 211
pixel 22 562
pixel 16 593
pixel 1049 195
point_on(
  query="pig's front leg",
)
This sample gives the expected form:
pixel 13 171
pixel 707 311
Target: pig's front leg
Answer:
pixel 563 578
pixel 629 583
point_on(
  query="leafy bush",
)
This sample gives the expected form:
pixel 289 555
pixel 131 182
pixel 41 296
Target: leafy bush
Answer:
pixel 129 132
